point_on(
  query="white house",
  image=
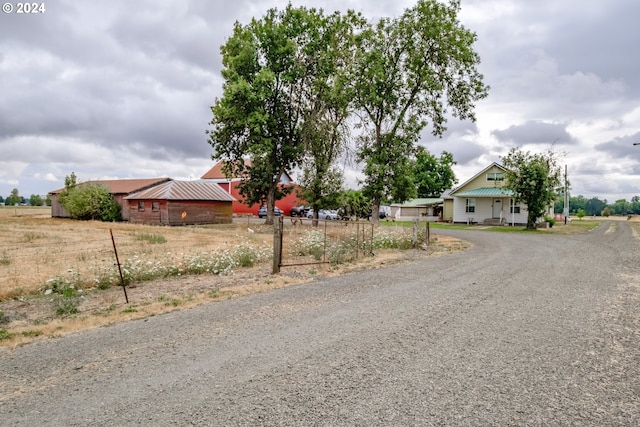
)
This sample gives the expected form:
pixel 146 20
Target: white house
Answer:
pixel 483 200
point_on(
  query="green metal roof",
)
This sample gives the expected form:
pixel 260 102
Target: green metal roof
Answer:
pixel 486 192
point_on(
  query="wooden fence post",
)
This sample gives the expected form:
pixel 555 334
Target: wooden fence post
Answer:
pixel 428 234
pixel 277 244
pixel 414 243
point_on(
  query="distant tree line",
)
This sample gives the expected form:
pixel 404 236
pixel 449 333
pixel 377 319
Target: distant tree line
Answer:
pixel 597 207
pixel 16 199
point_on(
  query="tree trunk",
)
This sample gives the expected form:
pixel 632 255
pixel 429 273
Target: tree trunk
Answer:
pixel 271 202
pixel 375 211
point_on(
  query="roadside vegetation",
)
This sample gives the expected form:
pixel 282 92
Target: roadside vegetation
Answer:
pixel 61 274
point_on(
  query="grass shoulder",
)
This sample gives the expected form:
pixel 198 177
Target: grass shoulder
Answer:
pixel 573 227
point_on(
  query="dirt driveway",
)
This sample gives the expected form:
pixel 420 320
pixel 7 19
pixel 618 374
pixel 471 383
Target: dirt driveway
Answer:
pixel 520 329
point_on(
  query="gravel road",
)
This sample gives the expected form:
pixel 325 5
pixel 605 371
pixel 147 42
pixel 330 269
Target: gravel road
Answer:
pixel 520 329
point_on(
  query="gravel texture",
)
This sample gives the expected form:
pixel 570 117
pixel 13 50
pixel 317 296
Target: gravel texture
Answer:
pixel 520 329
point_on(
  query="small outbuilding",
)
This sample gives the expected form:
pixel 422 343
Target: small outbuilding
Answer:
pixel 425 209
pixel 181 203
pixel 119 189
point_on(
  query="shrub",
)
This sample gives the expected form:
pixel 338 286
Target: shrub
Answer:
pixel 90 201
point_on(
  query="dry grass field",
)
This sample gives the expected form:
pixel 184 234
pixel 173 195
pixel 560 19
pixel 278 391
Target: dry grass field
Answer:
pixel 37 248
pixel 53 270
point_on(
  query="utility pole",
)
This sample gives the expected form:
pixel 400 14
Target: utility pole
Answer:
pixel 566 195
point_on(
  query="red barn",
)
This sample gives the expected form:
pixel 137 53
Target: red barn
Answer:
pixel 216 175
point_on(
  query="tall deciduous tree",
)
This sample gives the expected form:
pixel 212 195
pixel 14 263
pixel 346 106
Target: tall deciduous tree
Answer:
pixel 411 70
pixel 270 66
pixel 433 175
pixel 325 131
pixel 535 180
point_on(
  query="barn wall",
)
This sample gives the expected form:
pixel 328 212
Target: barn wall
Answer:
pixel 148 215
pixel 124 205
pixel 199 212
pixel 181 212
pixel 241 208
pixel 57 211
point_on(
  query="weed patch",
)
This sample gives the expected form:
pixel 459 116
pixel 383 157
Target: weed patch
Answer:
pixel 5 335
pixel 150 237
pixel 64 306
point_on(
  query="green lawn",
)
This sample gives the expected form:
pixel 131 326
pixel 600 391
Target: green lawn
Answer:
pixel 573 227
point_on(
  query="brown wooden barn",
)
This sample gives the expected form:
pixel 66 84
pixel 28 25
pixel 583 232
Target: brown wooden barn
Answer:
pixel 181 203
pixel 119 189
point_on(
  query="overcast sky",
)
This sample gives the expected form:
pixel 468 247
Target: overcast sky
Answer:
pixel 119 89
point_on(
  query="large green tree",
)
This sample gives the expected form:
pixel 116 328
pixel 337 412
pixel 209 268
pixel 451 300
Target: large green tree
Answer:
pixel 433 175
pixel 535 179
pixel 35 200
pixel 270 69
pixel 409 71
pixel 325 130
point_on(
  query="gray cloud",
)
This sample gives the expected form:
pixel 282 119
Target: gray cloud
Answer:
pixel 534 132
pixel 622 148
pixel 121 89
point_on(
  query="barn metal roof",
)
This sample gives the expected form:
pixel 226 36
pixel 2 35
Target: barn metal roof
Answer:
pixel 486 192
pixel 122 186
pixel 183 190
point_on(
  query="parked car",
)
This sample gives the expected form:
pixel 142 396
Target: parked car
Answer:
pixel 381 214
pixel 324 214
pixel 262 212
pixel 300 211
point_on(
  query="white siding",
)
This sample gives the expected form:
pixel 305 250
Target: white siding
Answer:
pixel 484 210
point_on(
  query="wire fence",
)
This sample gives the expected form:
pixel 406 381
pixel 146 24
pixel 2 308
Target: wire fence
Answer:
pixel 326 241
pixel 308 242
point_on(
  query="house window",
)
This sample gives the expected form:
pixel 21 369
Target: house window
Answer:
pixel 495 176
pixel 155 206
pixel 471 205
pixel 515 207
pixel 141 206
